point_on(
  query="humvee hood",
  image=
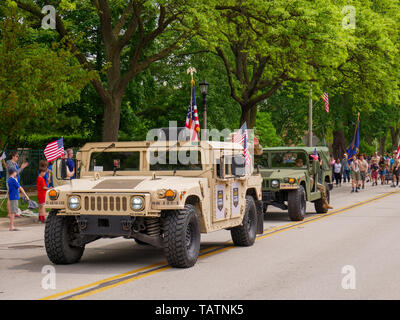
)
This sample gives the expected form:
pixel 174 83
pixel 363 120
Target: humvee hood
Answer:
pixel 135 184
pixel 281 173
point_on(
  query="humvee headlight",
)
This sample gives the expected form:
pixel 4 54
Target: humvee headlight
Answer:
pixel 74 203
pixel 137 203
pixel 292 180
pixel 53 194
pixel 275 183
pixel 170 195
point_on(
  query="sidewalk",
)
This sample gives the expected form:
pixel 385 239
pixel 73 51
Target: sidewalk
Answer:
pixel 19 222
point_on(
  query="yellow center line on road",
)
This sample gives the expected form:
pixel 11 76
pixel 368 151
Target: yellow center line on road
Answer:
pixel 112 282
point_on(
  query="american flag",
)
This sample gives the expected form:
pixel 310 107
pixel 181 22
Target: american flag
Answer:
pixel 325 97
pixel 54 150
pixel 192 118
pixel 242 137
pixel 398 151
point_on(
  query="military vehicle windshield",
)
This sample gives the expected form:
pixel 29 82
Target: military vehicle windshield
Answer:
pixel 289 160
pixel 175 160
pixel 110 161
pixel 261 160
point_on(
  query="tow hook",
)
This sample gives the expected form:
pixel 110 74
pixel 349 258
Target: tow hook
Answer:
pixel 82 224
pixel 126 225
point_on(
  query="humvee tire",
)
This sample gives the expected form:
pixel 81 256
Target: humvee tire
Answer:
pixel 181 239
pixel 297 204
pixel 245 234
pixel 57 239
pixel 319 204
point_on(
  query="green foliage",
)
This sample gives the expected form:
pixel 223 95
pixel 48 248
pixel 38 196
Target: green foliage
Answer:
pixel 34 80
pixel 265 131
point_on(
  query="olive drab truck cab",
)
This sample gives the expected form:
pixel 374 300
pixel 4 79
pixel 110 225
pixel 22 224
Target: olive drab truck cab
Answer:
pixel 164 194
pixel 291 177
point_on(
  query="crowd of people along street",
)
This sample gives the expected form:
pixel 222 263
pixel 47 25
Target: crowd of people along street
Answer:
pixel 360 169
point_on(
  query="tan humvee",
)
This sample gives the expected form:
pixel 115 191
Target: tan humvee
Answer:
pixel 134 190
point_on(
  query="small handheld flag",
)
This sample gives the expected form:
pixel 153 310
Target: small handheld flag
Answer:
pixel 54 150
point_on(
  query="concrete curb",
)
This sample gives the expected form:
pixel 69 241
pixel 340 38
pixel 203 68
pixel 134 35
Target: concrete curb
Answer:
pixel 19 222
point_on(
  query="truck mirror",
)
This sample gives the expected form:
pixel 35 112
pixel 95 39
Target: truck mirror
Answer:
pixel 238 166
pixel 63 169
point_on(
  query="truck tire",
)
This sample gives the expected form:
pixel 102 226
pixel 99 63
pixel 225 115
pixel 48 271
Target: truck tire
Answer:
pixel 245 234
pixel 59 232
pixel 297 204
pixel 181 236
pixel 319 204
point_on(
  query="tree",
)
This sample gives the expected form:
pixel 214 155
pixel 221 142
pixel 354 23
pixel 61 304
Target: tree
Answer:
pixel 134 34
pixel 34 80
pixel 266 44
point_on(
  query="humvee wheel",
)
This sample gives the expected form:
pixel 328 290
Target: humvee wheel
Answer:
pixel 319 204
pixel 181 238
pixel 297 204
pixel 60 231
pixel 245 234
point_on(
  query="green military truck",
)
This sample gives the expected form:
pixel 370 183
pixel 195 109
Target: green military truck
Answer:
pixel 291 177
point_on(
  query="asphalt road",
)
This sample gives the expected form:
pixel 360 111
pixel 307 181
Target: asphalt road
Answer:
pixel 350 253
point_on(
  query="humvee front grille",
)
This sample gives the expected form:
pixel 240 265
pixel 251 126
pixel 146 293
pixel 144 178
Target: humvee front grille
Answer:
pixel 105 203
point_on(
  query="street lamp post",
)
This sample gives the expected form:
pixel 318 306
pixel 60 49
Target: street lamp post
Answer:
pixel 204 91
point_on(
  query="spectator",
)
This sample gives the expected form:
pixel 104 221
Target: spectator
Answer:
pixel 2 165
pixel 382 169
pixel 70 162
pixel 363 169
pixel 13 196
pixel 46 177
pixel 355 174
pixel 337 172
pixel 41 186
pixel 396 172
pixel 331 163
pixel 374 172
pixel 12 163
pixel 345 168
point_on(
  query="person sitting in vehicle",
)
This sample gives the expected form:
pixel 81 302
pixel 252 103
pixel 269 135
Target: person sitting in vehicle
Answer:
pixel 299 163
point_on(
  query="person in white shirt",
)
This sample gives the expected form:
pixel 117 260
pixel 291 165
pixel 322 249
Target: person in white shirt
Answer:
pixel 337 172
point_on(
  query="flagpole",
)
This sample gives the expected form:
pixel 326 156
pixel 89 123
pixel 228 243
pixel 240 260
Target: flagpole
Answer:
pixel 310 122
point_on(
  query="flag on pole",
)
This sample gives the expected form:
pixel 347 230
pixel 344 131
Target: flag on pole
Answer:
pixel 325 97
pixel 242 137
pixel 192 118
pixel 54 150
pixel 398 151
pixel 353 148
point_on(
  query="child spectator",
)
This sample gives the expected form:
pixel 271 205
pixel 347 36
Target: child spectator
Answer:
pixel 13 196
pixel 41 186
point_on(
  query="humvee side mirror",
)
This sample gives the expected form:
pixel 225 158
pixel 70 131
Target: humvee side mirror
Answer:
pixel 315 167
pixel 238 166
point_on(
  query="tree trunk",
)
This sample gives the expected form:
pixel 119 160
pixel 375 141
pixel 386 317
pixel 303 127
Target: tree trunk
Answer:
pixel 382 142
pixel 395 134
pixel 339 144
pixel 112 111
pixel 249 115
